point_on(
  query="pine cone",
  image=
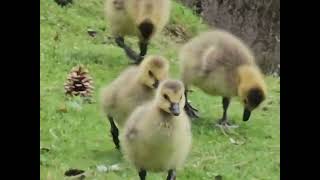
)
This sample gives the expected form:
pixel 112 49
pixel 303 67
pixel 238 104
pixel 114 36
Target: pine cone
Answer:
pixel 79 83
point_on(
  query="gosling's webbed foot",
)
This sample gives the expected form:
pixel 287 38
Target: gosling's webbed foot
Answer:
pixel 191 111
pixel 225 124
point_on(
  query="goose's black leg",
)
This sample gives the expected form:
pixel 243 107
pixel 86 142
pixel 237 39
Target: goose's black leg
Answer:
pixel 129 52
pixel 171 175
pixel 142 174
pixel 114 132
pixel 143 45
pixel 224 122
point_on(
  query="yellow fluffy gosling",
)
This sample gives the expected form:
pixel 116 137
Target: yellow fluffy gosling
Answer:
pixel 220 64
pixel 133 87
pixel 157 136
pixel 140 18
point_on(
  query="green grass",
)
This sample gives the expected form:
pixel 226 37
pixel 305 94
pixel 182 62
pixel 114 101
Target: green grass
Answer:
pixel 80 137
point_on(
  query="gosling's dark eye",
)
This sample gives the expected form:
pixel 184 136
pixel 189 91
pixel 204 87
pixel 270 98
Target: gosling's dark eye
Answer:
pixel 151 74
pixel 166 97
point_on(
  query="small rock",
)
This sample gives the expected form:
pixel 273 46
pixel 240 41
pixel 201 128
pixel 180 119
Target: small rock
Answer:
pixel 235 142
pixel 114 167
pixel 102 168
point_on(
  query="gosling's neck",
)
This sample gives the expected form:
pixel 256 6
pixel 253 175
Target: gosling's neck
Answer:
pixel 249 77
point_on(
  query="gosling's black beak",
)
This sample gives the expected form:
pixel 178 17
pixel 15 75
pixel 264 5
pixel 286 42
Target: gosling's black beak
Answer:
pixel 246 114
pixel 156 83
pixel 174 108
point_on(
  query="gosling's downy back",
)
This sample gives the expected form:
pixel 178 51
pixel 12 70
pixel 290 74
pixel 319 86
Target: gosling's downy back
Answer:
pixel 150 16
pixel 211 61
pixel 216 48
pixel 117 18
pixel 137 17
